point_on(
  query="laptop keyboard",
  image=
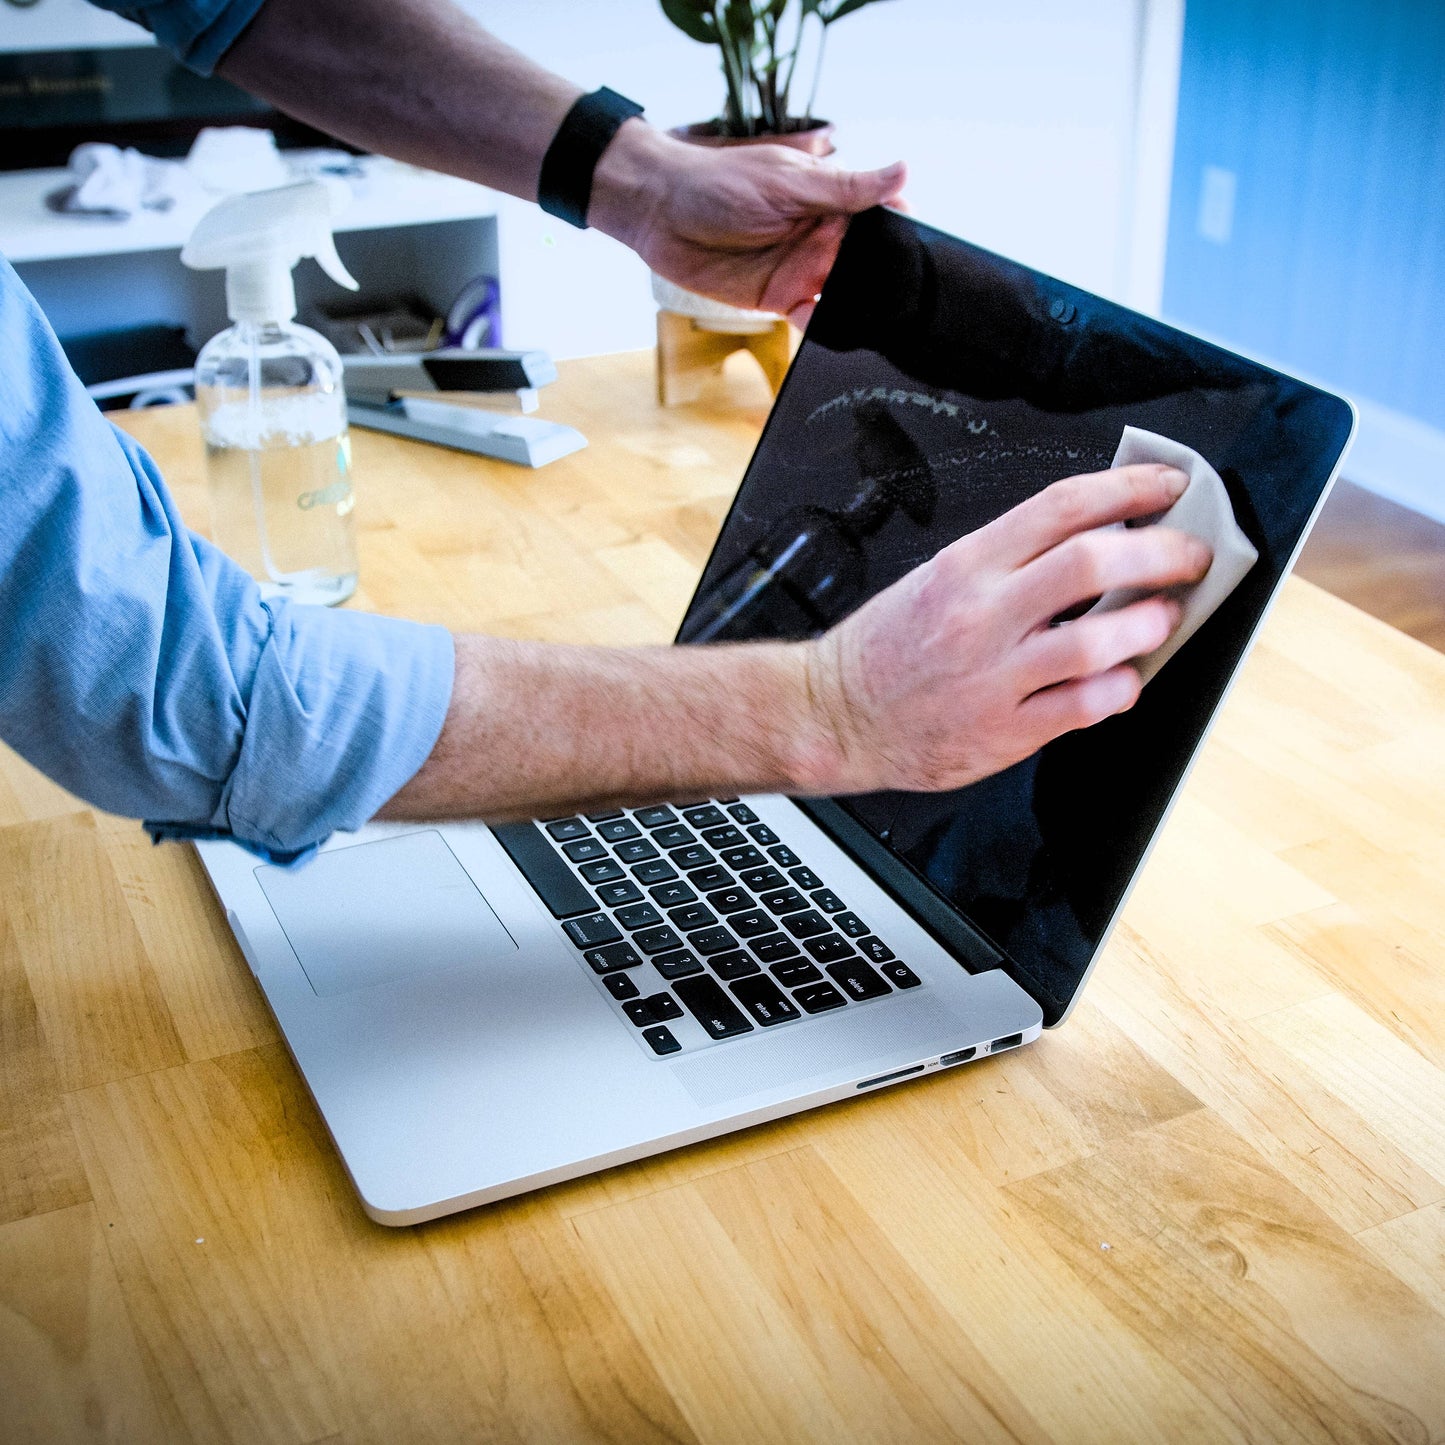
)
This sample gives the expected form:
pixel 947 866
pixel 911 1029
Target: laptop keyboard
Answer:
pixel 701 912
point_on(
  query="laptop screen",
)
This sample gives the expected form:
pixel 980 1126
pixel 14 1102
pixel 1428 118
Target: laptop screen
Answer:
pixel 938 386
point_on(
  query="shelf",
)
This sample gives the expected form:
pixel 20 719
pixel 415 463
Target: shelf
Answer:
pixel 389 195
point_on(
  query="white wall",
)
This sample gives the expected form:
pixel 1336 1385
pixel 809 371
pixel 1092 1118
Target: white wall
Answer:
pixel 1018 124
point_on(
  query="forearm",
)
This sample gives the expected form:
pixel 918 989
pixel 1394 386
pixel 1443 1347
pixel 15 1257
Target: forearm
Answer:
pixel 419 81
pixel 535 729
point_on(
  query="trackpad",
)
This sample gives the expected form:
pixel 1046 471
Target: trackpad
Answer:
pixel 383 912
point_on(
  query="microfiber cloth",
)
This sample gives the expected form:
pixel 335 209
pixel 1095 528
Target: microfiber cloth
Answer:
pixel 1204 512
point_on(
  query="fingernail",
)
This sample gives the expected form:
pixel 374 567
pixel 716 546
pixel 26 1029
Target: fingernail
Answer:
pixel 1203 556
pixel 1175 480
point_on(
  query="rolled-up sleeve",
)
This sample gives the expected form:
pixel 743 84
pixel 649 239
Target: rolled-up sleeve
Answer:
pixel 197 32
pixel 140 667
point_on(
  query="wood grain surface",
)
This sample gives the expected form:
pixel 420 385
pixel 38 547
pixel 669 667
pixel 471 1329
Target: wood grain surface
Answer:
pixel 1210 1207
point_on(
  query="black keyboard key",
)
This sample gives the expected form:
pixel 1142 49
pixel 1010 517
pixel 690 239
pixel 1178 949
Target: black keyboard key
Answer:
pixel 764 880
pixel 827 949
pixel 677 964
pixel 611 957
pixel 620 986
pixel 784 856
pixel 618 830
pixel 695 856
pixel 725 837
pixel 751 923
pixel 603 871
pixel 537 860
pixel 593 931
pixel 767 1003
pixel 725 801
pixel 851 924
pixel 900 975
pixel 795 972
pixel 658 817
pixel 614 895
pixel 705 817
pixel 805 925
pixel 660 1040
pixel 741 858
pixel 712 940
pixel 709 878
pixel 741 813
pixel 664 1007
pixel 785 900
pixel 857 979
pixel 875 949
pixel 603 817
pixel 584 850
pixel 674 837
pixel 565 829
pixel 730 900
pixel 818 998
pixel 657 940
pixel 639 1010
pixel 828 901
pixel 763 834
pixel 657 871
pixel 635 850
pixel 735 964
pixel 671 895
pixel 638 915
pixel 805 878
pixel 774 947
pixel 707 1001
pixel 694 915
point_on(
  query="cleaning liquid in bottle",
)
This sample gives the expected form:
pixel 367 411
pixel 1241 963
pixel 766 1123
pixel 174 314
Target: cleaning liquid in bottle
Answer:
pixel 273 411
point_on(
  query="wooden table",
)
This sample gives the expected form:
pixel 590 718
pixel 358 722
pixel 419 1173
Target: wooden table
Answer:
pixel 1212 1206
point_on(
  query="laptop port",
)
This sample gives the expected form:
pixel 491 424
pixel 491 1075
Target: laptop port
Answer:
pixel 958 1056
pixel 888 1078
pixel 1008 1041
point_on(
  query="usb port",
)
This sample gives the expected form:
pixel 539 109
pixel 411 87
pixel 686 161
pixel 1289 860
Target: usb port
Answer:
pixel 958 1056
pixel 1008 1041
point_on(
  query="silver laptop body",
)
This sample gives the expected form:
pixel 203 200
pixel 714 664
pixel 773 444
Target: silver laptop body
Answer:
pixel 479 1012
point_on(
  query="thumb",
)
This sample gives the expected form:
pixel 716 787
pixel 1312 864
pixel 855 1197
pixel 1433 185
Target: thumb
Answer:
pixel 830 192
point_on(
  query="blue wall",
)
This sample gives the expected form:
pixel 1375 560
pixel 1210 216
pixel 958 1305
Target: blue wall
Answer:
pixel 1330 117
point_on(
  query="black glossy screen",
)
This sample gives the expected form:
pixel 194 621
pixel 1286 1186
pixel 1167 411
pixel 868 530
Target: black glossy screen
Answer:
pixel 937 386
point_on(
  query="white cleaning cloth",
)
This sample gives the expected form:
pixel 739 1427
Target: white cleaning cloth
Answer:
pixel 107 181
pixel 1204 512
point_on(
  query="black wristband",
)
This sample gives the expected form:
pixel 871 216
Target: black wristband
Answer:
pixel 564 186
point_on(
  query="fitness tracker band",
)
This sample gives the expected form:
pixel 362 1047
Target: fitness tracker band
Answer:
pixel 564 186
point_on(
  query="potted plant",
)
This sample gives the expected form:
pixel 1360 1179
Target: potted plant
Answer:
pixel 760 42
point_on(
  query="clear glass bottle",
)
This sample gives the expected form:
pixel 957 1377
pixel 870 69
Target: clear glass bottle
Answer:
pixel 278 458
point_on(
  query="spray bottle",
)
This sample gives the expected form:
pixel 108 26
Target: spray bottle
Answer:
pixel 273 413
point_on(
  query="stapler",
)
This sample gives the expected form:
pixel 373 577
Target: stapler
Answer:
pixel 377 387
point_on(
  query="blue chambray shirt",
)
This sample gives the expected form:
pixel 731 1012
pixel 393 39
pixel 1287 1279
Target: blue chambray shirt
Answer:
pixel 139 666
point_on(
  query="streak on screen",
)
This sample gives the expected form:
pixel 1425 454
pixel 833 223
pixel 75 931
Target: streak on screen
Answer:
pixel 938 386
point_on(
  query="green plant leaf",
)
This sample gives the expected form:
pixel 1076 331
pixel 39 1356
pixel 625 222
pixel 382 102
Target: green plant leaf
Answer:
pixel 694 18
pixel 842 8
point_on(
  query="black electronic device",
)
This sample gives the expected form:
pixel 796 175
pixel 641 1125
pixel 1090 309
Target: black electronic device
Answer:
pixel 937 386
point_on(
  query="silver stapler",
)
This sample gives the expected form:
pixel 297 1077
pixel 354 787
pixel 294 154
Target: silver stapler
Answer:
pixel 377 395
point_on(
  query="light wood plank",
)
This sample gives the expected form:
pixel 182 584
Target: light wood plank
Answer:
pixel 70 1367
pixel 40 1167
pixel 1292 1329
pixel 100 1005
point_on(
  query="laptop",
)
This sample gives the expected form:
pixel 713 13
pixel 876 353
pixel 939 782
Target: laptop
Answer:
pixel 480 1011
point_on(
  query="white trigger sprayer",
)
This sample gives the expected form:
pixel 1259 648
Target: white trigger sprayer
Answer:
pixel 273 412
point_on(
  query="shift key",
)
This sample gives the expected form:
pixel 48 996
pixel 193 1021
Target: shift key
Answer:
pixel 706 1000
